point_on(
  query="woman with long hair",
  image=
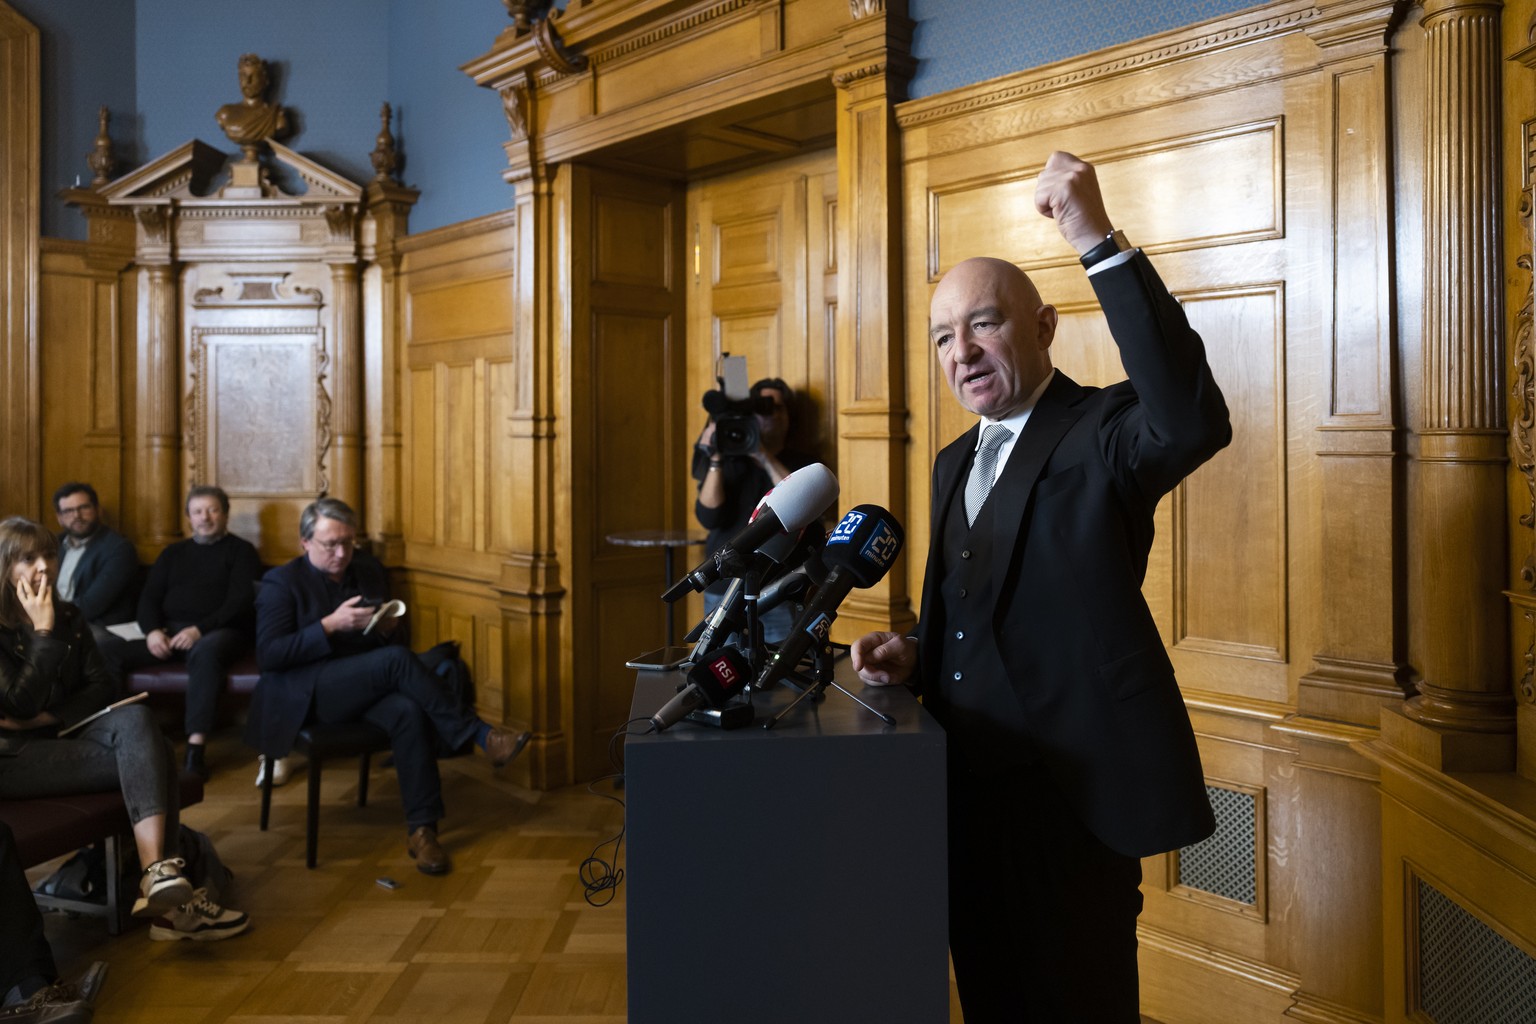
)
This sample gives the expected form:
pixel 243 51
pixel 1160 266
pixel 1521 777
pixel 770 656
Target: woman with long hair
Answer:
pixel 52 677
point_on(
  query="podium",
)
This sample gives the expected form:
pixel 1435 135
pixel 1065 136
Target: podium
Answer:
pixel 793 874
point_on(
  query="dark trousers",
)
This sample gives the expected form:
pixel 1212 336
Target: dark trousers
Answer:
pixel 1042 915
pixel 24 951
pixel 391 689
pixel 208 665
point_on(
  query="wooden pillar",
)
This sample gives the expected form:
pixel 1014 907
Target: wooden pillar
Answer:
pixel 20 199
pixel 158 490
pixel 871 330
pixel 346 456
pixel 388 213
pixel 1463 717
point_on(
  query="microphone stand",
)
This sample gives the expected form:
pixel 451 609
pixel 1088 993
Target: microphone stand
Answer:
pixel 814 688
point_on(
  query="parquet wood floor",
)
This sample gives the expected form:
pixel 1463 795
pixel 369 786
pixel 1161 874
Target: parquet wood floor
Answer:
pixel 505 937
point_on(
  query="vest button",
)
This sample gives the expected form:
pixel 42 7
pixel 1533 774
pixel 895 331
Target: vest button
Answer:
pixel 959 634
pixel 962 591
pixel 958 676
pixel 965 554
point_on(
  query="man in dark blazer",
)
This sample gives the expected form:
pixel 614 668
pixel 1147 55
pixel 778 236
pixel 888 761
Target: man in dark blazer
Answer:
pixel 1071 753
pixel 98 567
pixel 318 664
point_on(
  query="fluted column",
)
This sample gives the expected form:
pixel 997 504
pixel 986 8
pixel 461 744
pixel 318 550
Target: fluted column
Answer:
pixel 346 459
pixel 1465 697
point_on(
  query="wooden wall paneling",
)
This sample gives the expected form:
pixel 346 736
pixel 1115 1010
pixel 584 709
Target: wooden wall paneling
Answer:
pixel 626 424
pixel 20 198
pixel 471 516
pixel 80 368
pixel 1360 664
pixel 871 386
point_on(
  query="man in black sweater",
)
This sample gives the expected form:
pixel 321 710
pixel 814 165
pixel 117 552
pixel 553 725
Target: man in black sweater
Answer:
pixel 197 604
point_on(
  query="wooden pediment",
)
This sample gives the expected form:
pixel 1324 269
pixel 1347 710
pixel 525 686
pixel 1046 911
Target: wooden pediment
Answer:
pixel 325 185
pixel 182 174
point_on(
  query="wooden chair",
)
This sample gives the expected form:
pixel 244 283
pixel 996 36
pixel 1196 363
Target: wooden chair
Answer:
pixel 321 743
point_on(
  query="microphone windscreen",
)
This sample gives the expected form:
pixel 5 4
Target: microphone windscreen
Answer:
pixel 802 496
pixel 715 402
pixel 721 676
pixel 864 543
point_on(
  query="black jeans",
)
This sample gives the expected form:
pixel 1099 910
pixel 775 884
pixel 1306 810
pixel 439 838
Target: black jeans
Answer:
pixel 391 689
pixel 208 664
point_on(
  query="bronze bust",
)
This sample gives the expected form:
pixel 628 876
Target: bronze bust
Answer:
pixel 253 120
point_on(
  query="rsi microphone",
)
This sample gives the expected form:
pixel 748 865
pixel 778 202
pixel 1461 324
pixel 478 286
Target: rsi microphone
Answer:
pixel 713 682
pixel 859 553
pixel 794 502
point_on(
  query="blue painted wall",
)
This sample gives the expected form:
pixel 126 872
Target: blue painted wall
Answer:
pixel 165 66
pixel 87 61
pixel 959 44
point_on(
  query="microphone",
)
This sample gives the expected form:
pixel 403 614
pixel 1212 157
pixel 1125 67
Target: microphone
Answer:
pixel 798 499
pixel 793 576
pixel 859 553
pixel 711 682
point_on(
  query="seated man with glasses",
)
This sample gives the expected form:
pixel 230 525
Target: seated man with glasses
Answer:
pixel 98 567
pixel 318 665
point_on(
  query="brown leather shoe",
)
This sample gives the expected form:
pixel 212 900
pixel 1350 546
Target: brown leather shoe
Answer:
pixel 430 858
pixel 502 747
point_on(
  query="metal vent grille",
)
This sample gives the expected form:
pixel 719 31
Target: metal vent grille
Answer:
pixel 1469 973
pixel 1226 865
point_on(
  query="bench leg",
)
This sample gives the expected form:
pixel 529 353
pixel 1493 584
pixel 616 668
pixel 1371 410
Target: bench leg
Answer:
pixel 118 909
pixel 362 781
pixel 312 815
pixel 266 794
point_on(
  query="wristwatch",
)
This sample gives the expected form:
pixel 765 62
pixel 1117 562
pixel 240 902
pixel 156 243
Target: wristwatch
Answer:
pixel 1114 242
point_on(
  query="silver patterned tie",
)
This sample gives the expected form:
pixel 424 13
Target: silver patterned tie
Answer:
pixel 983 470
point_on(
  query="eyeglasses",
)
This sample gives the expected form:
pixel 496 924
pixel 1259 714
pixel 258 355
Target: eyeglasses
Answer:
pixel 74 510
pixel 333 546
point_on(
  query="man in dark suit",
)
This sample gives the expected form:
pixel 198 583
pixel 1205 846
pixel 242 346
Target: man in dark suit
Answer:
pixel 1071 753
pixel 98 567
pixel 318 664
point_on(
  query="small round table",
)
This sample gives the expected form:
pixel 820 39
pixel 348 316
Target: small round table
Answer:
pixel 669 541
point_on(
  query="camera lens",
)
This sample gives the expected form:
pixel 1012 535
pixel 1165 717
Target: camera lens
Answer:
pixel 736 435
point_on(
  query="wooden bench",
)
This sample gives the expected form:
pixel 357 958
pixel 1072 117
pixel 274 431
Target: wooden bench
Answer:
pixel 170 677
pixel 50 827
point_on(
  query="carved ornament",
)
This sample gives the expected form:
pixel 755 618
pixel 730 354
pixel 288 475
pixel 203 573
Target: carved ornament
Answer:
pixel 101 161
pixel 338 219
pixel 155 222
pixel 1522 434
pixel 552 48
pixel 384 158
pixel 865 8
pixel 514 103
pixel 843 79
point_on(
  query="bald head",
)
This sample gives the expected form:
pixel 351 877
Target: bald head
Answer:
pixel 992 335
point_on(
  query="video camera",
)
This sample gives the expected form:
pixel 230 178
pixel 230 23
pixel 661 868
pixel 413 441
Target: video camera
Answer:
pixel 734 410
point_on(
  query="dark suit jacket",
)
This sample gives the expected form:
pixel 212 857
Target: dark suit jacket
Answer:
pixel 104 579
pixel 292 647
pixel 1072 531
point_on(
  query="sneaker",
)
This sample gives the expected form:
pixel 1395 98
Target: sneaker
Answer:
pixel 200 920
pixel 279 770
pixel 162 888
pixel 61 1002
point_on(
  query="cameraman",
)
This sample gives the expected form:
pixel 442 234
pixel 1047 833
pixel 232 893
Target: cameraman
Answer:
pixel 730 486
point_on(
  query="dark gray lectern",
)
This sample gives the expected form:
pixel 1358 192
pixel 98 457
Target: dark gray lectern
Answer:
pixel 792 875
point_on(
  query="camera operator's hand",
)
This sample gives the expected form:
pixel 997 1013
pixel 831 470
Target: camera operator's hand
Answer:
pixel 706 441
pixel 712 487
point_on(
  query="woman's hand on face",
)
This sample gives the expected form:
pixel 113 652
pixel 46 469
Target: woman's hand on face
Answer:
pixel 36 602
